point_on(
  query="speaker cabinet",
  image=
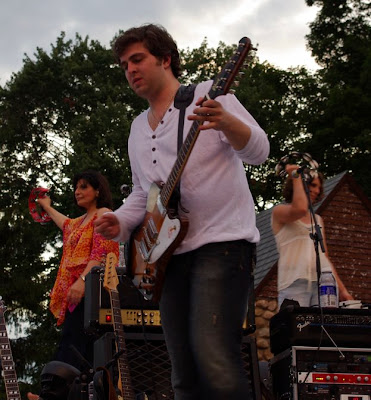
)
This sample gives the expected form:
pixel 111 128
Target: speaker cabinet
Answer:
pixel 150 366
pixel 148 359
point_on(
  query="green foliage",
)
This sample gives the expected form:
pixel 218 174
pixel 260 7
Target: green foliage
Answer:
pixel 340 40
pixel 278 100
pixel 204 63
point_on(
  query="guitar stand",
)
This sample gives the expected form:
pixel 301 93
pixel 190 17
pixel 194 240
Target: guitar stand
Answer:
pixel 114 358
pixel 80 386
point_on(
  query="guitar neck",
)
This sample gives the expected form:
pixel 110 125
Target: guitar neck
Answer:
pixel 221 85
pixel 124 383
pixel 180 163
pixel 10 376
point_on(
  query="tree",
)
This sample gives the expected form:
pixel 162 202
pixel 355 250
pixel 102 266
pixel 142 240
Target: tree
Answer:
pixel 340 40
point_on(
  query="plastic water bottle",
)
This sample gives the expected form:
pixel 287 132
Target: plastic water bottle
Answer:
pixel 327 290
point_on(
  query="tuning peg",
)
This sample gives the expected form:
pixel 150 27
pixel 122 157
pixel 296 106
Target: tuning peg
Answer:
pixel 236 83
pixel 241 74
pixel 231 91
pixel 148 280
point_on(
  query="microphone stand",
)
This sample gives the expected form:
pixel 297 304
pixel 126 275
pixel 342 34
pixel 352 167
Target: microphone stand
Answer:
pixel 317 235
pixel 318 240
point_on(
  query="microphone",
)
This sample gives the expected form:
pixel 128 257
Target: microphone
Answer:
pixel 298 172
pixel 125 189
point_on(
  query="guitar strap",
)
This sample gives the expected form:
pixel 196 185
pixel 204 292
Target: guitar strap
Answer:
pixel 182 100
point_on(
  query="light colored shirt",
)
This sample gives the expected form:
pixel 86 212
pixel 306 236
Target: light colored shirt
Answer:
pixel 214 187
pixel 297 254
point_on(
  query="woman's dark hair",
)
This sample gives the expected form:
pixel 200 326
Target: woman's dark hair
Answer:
pixel 155 38
pixel 98 182
pixel 288 188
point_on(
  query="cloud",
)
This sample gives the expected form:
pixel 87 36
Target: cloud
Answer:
pixel 278 26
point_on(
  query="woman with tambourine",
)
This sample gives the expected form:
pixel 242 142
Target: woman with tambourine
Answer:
pixel 83 248
pixel 292 224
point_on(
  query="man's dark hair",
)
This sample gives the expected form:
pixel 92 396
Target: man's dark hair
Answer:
pixel 288 190
pixel 98 182
pixel 155 38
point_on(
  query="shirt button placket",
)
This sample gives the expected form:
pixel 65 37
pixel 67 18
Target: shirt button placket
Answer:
pixel 154 161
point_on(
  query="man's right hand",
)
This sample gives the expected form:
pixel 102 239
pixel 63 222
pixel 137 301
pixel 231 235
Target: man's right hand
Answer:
pixel 107 225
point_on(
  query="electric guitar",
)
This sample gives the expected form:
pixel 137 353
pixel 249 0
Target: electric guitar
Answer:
pixel 10 376
pixel 110 283
pixel 162 229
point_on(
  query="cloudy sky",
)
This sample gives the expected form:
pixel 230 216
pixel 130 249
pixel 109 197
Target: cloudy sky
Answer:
pixel 278 27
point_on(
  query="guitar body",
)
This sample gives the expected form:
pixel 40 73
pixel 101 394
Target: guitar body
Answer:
pixel 153 243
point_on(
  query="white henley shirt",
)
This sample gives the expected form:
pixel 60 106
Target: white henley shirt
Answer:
pixel 214 188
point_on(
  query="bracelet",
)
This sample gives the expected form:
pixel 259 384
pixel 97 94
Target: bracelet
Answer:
pixel 82 277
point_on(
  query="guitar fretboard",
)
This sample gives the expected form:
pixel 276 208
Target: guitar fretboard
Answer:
pixel 180 163
pixel 10 376
pixel 123 364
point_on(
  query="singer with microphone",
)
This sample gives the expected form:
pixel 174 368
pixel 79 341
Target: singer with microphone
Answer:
pixel 292 224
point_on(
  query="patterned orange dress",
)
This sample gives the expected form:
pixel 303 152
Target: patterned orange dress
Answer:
pixel 80 245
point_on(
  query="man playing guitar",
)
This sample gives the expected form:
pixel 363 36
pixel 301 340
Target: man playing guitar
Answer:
pixel 205 288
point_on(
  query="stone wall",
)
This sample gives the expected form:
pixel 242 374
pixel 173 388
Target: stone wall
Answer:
pixel 265 308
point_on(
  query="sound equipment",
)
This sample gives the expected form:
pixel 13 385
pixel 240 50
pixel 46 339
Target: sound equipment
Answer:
pixel 148 359
pixel 150 366
pixel 301 326
pixel 135 310
pixel 326 373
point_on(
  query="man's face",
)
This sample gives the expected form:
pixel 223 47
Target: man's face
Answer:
pixel 143 71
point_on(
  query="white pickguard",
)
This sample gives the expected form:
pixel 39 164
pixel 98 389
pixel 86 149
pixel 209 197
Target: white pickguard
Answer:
pixel 169 231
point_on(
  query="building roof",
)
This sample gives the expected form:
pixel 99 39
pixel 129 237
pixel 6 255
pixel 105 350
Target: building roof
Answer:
pixel 267 255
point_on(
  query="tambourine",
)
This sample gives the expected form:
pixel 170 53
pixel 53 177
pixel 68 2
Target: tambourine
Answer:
pixel 309 165
pixel 37 213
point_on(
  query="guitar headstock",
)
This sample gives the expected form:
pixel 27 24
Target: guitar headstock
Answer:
pixel 110 280
pixel 225 78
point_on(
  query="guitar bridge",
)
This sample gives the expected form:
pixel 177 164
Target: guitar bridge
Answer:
pixel 144 251
pixel 152 229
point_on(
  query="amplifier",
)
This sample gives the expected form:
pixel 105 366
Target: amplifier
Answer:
pixel 150 366
pixel 136 311
pixel 326 373
pixel 131 317
pixel 301 326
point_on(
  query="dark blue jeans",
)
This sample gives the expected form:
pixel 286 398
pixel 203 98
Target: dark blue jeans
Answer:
pixel 203 306
pixel 73 333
